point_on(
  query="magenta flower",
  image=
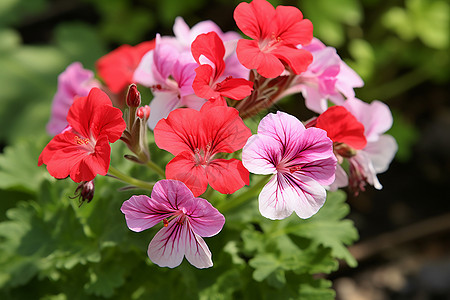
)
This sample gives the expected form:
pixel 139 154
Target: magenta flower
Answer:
pixel 327 78
pixel 301 160
pixel 74 82
pixel 186 220
pixel 169 74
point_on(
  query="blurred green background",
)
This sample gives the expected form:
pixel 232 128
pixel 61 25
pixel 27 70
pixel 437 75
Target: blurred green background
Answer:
pixel 400 48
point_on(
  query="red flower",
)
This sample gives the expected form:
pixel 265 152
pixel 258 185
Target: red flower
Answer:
pixel 82 150
pixel 276 33
pixel 206 83
pixel 195 138
pixel 342 127
pixel 117 67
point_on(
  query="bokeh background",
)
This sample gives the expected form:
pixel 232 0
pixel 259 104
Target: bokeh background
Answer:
pixel 400 48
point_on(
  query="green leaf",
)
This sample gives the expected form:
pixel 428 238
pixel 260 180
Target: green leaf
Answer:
pixel 327 227
pixel 316 289
pixel 18 167
pixel 264 264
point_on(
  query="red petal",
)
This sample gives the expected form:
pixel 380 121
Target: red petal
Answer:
pixel 211 46
pixel 342 127
pixel 203 78
pixel 223 129
pixel 181 131
pixel 292 29
pixel 251 57
pixel 297 59
pixel 183 168
pixel 227 176
pixel 255 18
pixel 235 88
pixel 92 164
pixel 94 115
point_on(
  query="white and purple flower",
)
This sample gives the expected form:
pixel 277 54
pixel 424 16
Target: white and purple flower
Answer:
pixel 186 220
pixel 301 160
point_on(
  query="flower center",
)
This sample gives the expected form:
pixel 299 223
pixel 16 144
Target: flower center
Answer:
pixel 203 156
pixel 86 144
pixel 267 45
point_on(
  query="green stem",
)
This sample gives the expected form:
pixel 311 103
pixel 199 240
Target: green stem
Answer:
pixel 131 180
pixel 242 198
pixel 156 168
pixel 207 194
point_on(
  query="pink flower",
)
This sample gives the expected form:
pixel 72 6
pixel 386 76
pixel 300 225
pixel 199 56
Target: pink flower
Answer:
pixel 380 149
pixel 72 83
pixel 196 138
pixel 169 74
pixel 327 78
pixel 185 221
pixel 82 150
pixel 301 160
pixel 209 47
pixel 356 129
pixel 184 36
pixel 275 34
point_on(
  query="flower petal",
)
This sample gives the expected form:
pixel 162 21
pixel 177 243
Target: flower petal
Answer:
pixel 201 84
pixel 204 219
pixel 223 128
pixel 341 178
pixel 173 194
pixel 272 202
pixel 93 163
pixel 255 18
pixel 251 57
pixel 94 115
pixel 381 152
pixel 179 132
pixel 227 175
pixel 183 168
pixel 197 252
pixel 311 146
pixel 292 28
pixel 376 116
pixel 142 212
pixel 235 88
pixel 342 127
pixel 261 154
pixel 310 195
pixel 162 105
pixel 168 247
pixel 297 59
pixel 323 170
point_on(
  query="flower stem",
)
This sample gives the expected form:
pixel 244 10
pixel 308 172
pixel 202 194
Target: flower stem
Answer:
pixel 131 180
pixel 156 168
pixel 242 198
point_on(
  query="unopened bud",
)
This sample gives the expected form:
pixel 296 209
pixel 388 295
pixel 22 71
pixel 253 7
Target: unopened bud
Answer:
pixel 84 192
pixel 133 96
pixel 143 112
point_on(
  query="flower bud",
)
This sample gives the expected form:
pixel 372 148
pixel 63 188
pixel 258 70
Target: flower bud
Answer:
pixel 84 192
pixel 143 112
pixel 133 96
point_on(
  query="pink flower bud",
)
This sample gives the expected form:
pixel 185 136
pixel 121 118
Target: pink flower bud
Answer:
pixel 143 112
pixel 133 96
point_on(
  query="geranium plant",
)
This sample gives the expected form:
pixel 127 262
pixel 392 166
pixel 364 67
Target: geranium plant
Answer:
pixel 238 167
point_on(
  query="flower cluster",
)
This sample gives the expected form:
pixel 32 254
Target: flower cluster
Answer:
pixel 205 83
